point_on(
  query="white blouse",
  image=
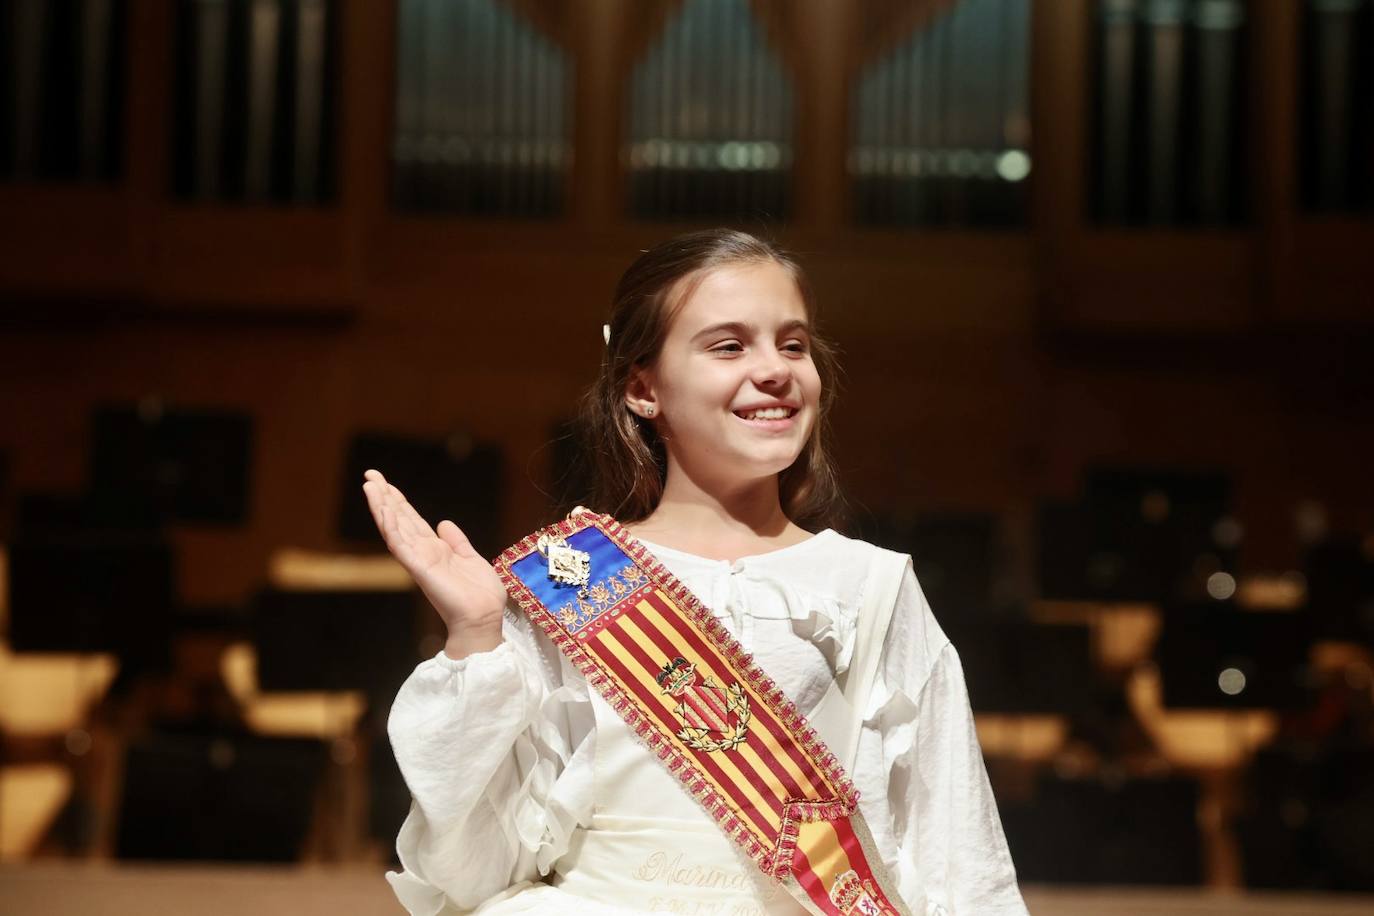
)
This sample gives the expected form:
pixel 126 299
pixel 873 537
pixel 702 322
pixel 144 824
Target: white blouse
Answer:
pixel 498 749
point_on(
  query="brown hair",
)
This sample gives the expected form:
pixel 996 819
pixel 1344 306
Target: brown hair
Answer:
pixel 625 459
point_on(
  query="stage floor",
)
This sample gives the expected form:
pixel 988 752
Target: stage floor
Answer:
pixel 59 889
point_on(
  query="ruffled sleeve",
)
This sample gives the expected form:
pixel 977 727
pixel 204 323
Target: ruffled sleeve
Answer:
pixel 496 750
pixel 937 809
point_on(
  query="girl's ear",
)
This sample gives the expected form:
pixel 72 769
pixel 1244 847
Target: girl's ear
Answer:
pixel 639 392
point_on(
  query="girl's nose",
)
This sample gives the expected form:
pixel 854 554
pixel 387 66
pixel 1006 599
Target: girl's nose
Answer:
pixel 772 366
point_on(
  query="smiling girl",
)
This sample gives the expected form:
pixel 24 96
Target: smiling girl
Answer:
pixel 535 789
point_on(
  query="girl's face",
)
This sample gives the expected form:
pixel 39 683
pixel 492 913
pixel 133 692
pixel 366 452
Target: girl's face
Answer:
pixel 739 343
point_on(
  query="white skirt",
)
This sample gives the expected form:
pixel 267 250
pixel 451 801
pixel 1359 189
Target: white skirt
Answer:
pixel 648 865
pixel 543 899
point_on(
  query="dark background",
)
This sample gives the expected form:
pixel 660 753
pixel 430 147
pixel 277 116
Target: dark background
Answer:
pixel 1126 439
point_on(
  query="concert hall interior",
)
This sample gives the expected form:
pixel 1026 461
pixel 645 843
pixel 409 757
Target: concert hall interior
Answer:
pixel 1102 277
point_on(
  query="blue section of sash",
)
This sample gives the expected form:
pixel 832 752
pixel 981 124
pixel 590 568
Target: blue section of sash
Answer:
pixel 607 560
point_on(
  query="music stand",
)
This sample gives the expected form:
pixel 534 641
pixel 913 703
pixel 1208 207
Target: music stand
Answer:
pixel 1161 523
pixel 455 479
pixel 335 640
pixel 182 465
pixel 1026 668
pixel 94 593
pixel 1072 562
pixel 1340 589
pixel 1213 656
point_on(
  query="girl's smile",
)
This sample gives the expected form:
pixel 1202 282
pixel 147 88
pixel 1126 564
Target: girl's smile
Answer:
pixel 772 418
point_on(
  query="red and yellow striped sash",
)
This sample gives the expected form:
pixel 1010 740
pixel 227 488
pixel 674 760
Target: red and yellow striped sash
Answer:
pixel 719 724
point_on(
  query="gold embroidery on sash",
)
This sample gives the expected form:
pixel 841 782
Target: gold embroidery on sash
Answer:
pixel 706 707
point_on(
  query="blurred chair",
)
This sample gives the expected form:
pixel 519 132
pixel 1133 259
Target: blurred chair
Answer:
pixel 1114 831
pixel 231 797
pixel 1122 634
pixel 94 591
pixel 366 627
pixel 44 703
pixel 1308 821
pixel 1197 738
pixel 86 615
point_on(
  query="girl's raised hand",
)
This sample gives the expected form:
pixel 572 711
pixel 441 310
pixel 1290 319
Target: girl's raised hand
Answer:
pixel 457 580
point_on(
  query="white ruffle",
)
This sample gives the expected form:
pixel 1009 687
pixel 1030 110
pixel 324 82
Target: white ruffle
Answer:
pixel 829 623
pixel 417 895
pixel 892 716
pixel 549 808
pixel 750 594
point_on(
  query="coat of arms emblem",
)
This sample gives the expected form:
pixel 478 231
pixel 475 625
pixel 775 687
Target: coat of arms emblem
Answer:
pixel 852 895
pixel 716 717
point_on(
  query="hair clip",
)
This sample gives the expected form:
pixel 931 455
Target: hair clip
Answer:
pixel 606 333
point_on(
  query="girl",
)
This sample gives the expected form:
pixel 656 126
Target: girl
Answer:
pixel 707 426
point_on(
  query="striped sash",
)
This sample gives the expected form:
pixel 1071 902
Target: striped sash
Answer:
pixel 719 724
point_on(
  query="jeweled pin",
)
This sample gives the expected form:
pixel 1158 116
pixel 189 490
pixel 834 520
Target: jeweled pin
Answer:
pixel 567 564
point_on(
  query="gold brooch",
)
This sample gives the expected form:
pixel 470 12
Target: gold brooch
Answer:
pixel 566 564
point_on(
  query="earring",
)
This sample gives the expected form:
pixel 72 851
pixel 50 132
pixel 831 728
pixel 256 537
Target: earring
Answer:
pixel 649 411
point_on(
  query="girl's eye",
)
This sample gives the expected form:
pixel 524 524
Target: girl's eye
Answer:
pixel 797 347
pixel 727 348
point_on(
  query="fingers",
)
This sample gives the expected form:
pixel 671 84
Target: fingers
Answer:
pixel 382 498
pixel 372 490
pixel 408 520
pixel 397 519
pixel 454 537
